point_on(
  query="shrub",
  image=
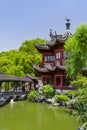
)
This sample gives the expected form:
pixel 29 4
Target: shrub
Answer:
pixel 48 91
pixel 62 97
pixel 72 94
pixel 80 97
pixel 80 82
pixel 32 96
pixel 85 126
pixel 80 104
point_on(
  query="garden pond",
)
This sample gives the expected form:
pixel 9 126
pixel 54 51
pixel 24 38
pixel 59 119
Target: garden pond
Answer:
pixel 23 115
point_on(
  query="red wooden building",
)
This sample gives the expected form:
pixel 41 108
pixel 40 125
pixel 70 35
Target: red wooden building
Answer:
pixel 54 58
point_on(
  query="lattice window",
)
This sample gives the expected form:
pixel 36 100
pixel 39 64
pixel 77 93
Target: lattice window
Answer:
pixel 49 58
pixel 58 55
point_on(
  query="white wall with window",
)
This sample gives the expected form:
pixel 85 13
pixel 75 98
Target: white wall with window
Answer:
pixel 58 55
pixel 49 58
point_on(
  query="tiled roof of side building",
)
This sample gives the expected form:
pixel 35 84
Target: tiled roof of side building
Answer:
pixel 4 77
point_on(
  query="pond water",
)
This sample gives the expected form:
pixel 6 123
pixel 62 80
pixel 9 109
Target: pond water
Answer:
pixel 31 116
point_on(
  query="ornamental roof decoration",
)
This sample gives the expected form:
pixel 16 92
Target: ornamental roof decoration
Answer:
pixel 54 37
pixel 61 38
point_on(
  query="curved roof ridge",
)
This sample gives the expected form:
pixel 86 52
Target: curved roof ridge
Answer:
pixel 61 38
pixel 51 68
pixel 65 36
pixel 36 67
pixel 52 42
pixel 42 46
pixel 60 66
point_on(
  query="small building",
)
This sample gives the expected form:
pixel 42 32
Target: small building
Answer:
pixel 17 83
pixel 54 58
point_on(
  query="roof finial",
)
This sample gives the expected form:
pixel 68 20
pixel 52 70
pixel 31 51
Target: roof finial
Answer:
pixel 51 34
pixel 67 23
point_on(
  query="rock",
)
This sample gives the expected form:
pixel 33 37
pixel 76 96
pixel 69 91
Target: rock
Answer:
pixel 81 128
pixel 55 104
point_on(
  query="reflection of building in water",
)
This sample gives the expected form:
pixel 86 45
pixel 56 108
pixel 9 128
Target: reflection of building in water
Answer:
pixel 12 101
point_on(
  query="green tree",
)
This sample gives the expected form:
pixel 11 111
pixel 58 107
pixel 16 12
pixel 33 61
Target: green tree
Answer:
pixel 6 60
pixel 30 55
pixel 20 62
pixel 77 46
pixel 80 82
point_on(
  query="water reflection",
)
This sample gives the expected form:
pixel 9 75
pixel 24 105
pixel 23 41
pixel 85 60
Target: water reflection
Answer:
pixel 12 101
pixel 31 116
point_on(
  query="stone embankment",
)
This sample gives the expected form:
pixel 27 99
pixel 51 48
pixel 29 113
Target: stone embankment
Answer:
pixel 15 96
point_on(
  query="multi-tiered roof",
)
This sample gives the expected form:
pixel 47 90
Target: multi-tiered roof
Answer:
pixel 55 40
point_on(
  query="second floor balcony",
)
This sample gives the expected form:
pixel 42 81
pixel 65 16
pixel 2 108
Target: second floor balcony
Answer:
pixel 50 66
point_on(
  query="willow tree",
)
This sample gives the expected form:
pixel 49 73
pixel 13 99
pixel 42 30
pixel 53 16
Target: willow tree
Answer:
pixel 77 46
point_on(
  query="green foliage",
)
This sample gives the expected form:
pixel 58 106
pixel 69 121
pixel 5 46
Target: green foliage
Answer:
pixel 80 82
pixel 20 62
pixel 71 94
pixel 7 61
pixel 61 97
pixel 77 46
pixel 80 104
pixel 30 56
pixel 48 91
pixel 79 97
pixel 32 96
pixel 85 126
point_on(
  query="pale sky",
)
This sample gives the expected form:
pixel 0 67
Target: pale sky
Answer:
pixel 22 20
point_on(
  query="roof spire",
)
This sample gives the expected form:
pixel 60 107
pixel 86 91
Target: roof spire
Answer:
pixel 67 23
pixel 51 34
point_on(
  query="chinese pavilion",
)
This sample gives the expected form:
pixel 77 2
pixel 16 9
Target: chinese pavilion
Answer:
pixel 53 66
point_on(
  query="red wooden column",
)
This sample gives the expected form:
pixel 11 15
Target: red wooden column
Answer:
pixel 42 60
pixel 54 81
pixel 61 82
